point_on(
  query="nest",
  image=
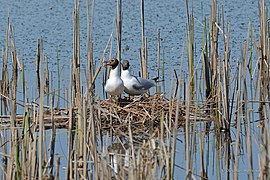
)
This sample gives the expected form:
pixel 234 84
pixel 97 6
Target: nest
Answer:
pixel 141 115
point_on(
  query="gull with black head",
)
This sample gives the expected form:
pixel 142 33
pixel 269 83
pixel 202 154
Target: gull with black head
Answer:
pixel 114 84
pixel 134 85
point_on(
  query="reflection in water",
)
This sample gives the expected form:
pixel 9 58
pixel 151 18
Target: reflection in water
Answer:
pixel 142 159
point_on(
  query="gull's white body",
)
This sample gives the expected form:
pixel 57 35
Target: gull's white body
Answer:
pixel 114 85
pixel 135 85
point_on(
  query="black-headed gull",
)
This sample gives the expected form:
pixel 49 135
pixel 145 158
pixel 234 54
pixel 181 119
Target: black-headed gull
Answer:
pixel 114 84
pixel 134 85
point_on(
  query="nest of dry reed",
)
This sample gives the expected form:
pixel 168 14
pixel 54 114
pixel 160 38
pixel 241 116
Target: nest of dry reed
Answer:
pixel 141 115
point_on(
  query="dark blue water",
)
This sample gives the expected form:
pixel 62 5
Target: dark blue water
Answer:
pixel 53 20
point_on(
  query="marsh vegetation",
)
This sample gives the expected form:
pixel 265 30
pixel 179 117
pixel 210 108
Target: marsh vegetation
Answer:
pixel 214 117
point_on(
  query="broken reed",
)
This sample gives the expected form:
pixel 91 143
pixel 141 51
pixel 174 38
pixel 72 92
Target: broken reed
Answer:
pixel 93 152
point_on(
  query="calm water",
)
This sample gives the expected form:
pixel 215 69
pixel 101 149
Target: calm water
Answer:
pixel 54 22
pixel 52 19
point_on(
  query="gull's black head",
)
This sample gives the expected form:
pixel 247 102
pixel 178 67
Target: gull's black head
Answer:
pixel 112 62
pixel 125 64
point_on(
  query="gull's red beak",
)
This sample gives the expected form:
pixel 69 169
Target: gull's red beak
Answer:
pixel 109 62
pixel 106 63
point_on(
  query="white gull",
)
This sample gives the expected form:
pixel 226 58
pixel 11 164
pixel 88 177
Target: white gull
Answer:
pixel 134 85
pixel 114 84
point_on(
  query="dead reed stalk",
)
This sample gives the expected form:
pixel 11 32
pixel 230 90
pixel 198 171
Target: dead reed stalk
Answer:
pixel 41 141
pixel 158 61
pixel 14 147
pixel 143 50
pixel 139 139
pixel 70 170
pixel 214 43
pixel 77 79
pixel 90 60
pixel 190 44
pixel 119 29
pixel 5 77
pixel 264 89
pixel 38 66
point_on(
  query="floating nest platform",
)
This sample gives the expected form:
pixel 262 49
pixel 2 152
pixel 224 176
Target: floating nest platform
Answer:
pixel 140 115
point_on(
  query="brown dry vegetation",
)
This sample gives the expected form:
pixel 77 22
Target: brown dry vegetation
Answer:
pixel 138 138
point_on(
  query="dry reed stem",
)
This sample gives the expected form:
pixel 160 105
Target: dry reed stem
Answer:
pixel 5 81
pixel 190 44
pixel 158 62
pixel 90 29
pixel 38 65
pixel 69 171
pixel 119 29
pixel 47 81
pixel 14 160
pixel 143 50
pixel 145 129
pixel 214 42
pixel 41 112
pixel 52 142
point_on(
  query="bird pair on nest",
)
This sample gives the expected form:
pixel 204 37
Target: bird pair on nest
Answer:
pixel 131 85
